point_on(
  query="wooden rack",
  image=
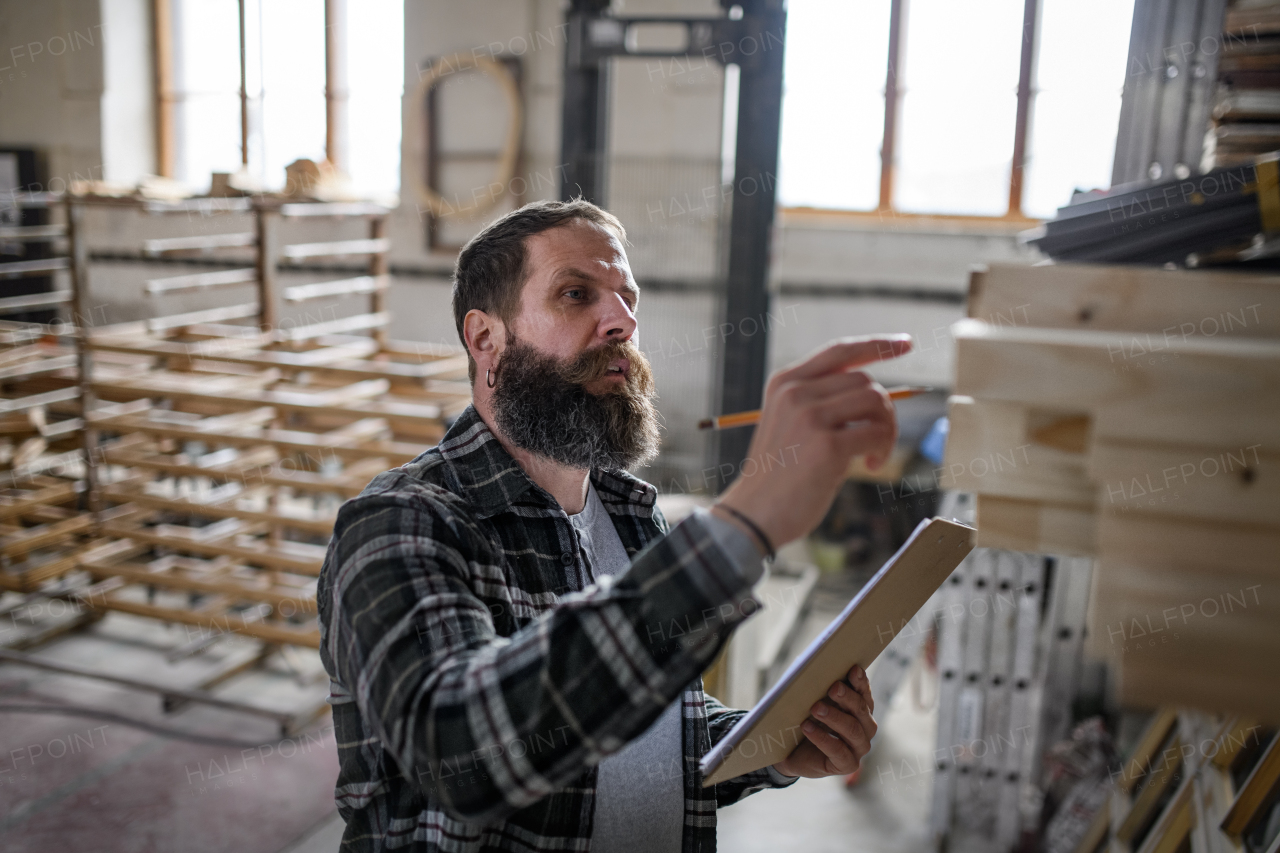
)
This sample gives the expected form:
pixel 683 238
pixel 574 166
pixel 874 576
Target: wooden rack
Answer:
pixel 204 454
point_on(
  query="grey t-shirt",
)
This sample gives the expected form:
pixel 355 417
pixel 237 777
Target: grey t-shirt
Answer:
pixel 640 789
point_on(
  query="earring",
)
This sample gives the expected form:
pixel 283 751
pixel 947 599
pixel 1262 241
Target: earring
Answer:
pixel 487 382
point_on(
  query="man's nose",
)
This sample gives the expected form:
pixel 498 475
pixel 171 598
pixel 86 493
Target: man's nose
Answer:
pixel 617 323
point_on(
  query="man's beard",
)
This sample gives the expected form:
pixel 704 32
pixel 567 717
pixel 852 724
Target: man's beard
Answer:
pixel 541 405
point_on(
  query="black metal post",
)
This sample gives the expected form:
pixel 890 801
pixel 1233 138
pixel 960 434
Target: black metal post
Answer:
pixel 585 113
pixel 745 340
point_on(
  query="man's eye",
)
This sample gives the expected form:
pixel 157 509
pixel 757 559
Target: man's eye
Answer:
pixel 576 293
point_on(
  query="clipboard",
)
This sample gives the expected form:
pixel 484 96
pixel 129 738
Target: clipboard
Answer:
pixel 882 608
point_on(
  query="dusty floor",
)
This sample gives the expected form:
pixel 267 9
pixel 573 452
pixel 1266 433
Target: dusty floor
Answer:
pixel 71 782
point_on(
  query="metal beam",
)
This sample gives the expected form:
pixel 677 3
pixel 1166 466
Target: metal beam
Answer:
pixel 753 41
pixel 745 346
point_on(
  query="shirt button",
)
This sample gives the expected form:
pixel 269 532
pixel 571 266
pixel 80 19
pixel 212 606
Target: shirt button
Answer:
pixel 566 558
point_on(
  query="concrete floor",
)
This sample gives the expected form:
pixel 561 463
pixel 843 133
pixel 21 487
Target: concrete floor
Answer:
pixel 71 782
pixel 74 782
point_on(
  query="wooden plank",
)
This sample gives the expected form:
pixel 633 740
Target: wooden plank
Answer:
pixel 209 315
pixel 335 248
pixel 329 327
pixel 396 452
pixel 32 233
pixel 299 600
pixel 288 556
pixel 48 398
pixel 199 243
pixel 200 281
pixel 361 284
pixel 21 269
pixel 1160 778
pixel 1182 303
pixel 269 631
pixel 13 505
pixel 328 403
pixel 1234 484
pixel 1036 527
pixel 333 208
pixel 36 537
pixel 321 525
pixel 993 448
pixel 203 206
pixel 1256 792
pixel 1172 396
pixel 1173 826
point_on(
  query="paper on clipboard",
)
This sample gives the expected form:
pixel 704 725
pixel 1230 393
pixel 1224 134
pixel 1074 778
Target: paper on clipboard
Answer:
pixel 771 730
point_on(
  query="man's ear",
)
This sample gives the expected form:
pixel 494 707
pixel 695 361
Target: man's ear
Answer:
pixel 486 337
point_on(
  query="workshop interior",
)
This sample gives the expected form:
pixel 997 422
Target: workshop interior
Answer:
pixel 228 239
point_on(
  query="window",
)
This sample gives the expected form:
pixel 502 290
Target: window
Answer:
pixel 285 81
pixel 830 145
pixel 955 128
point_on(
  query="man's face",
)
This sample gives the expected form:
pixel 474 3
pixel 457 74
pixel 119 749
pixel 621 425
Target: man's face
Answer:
pixel 571 383
pixel 579 295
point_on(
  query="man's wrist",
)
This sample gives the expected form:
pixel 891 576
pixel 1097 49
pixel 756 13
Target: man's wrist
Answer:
pixel 742 522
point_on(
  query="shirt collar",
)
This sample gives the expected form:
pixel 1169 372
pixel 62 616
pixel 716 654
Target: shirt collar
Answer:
pixel 493 481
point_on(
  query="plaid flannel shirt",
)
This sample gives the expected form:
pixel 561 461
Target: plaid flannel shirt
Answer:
pixel 480 671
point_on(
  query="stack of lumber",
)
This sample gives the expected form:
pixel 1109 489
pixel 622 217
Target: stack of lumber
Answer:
pixel 1246 109
pixel 1133 415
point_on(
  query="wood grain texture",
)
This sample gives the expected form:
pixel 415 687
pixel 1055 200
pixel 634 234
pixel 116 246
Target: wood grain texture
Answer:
pixel 1186 303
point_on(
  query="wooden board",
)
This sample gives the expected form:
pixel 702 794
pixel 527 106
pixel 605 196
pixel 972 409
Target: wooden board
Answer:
pixel 888 602
pixel 1007 450
pixel 1036 527
pixel 1185 303
pixel 1236 484
pixel 1180 394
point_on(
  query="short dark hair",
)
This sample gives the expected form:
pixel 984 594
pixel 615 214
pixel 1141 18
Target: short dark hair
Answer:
pixel 491 268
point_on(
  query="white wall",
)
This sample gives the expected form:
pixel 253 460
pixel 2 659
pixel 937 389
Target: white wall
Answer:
pixel 51 83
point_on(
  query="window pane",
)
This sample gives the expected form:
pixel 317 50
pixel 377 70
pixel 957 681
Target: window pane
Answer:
pixel 833 104
pixel 375 75
pixel 1077 109
pixel 961 78
pixel 207 80
pixel 293 105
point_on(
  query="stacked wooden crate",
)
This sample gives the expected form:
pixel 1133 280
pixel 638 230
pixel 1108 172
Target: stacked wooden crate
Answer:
pixel 1134 415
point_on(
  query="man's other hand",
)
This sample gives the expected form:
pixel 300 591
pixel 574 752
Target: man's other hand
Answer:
pixel 838 731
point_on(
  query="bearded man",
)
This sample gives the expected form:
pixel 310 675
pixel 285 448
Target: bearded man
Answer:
pixel 495 614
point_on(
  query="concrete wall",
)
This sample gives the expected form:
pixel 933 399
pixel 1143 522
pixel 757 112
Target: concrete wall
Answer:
pixel 51 83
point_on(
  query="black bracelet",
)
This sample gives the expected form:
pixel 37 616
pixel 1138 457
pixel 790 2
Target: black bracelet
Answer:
pixel 755 529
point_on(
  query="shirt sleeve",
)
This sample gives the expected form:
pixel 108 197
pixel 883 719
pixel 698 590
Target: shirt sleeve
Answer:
pixel 489 724
pixel 720 721
pixel 737 544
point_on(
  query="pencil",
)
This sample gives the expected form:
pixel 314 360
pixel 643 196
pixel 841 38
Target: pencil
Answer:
pixel 738 419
